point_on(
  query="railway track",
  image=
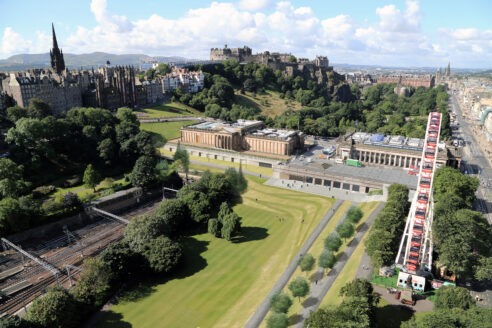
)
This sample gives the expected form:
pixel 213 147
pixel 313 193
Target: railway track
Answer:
pixel 90 241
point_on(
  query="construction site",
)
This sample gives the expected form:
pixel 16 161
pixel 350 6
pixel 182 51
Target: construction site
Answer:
pixel 29 267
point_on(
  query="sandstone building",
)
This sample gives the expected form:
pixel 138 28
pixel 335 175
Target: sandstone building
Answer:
pixel 427 81
pixel 243 135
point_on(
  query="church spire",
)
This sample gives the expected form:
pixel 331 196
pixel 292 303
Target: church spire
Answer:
pixel 57 61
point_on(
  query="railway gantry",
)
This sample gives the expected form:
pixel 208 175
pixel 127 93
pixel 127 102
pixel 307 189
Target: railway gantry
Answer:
pixel 414 256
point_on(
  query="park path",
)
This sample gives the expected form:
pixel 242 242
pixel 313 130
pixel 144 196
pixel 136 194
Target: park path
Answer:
pixel 319 289
pixel 260 313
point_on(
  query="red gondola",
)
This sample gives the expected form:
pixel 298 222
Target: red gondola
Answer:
pixel 427 167
pixel 432 134
pixel 423 198
pixel 425 182
pixel 413 259
pixel 416 240
pixel 420 213
pixel 412 267
pixel 429 153
pixel 418 229
pixel 414 250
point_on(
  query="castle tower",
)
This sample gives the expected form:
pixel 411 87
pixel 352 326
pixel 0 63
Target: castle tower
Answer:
pixel 56 54
pixel 448 70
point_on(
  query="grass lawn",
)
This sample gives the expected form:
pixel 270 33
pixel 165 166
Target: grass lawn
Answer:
pixel 350 269
pixel 269 103
pixel 222 283
pixel 169 110
pixel 256 169
pixel 83 192
pixel 164 130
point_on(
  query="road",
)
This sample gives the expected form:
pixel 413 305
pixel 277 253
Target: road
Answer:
pixel 319 290
pixel 260 313
pixel 474 160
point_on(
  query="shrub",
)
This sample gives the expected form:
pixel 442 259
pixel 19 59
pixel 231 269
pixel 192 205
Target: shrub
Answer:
pixel 42 191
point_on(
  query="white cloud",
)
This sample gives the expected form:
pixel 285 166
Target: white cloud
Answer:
pixel 395 38
pixel 14 43
pixel 255 5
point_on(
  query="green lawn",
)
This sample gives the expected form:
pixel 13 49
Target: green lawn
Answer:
pixel 222 283
pixel 170 110
pixel 256 169
pixel 269 102
pixel 164 130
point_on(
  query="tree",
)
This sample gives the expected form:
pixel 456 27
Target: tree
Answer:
pixel 141 230
pixel 280 303
pixel 12 217
pixel 214 227
pixel 163 254
pixel 143 173
pixel 163 69
pixel 354 214
pixel 150 73
pixel 38 108
pixel 181 156
pixel 15 321
pixel 57 309
pixel 306 263
pixel 473 318
pixel 379 246
pixel 91 177
pixel 448 179
pixel 94 286
pixel 448 297
pixel 15 113
pixel 346 229
pixel 175 215
pixel 120 259
pixel 360 288
pixel 11 180
pixel 483 270
pixel 333 242
pixel 277 320
pixel 107 150
pixel 299 287
pixel 327 259
pixel 460 239
pixel 71 200
pixel 231 225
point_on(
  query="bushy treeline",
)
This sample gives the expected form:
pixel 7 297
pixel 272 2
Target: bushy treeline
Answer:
pixel 358 308
pixel 44 148
pixel 217 98
pixel 454 307
pixel 462 237
pixel 151 246
pixel 379 110
pixel 384 237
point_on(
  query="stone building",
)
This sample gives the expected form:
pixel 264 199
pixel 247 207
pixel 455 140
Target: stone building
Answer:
pixel 107 87
pixel 397 151
pixel 243 135
pixel 427 81
pixel 181 77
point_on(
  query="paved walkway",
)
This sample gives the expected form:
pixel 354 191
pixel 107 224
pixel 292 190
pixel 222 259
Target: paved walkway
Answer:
pixel 325 191
pixel 260 313
pixel 319 290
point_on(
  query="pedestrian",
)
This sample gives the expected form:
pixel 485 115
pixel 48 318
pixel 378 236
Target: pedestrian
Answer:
pixel 476 298
pixel 257 199
pixel 316 281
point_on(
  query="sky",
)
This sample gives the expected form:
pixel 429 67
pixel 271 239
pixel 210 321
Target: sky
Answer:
pixel 366 32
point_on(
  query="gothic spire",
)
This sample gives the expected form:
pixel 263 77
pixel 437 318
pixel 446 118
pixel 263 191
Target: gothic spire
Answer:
pixel 57 61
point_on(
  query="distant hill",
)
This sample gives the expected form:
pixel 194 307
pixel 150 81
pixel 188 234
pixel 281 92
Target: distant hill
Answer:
pixel 95 59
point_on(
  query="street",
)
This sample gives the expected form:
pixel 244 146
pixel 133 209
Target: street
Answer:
pixel 474 160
